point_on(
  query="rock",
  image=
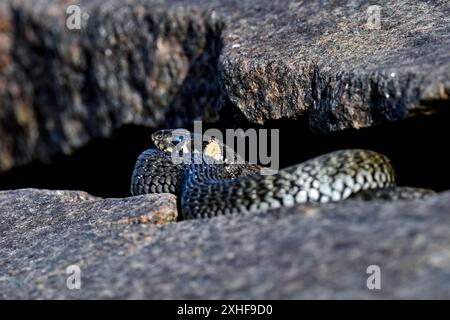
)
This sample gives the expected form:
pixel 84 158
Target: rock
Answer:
pixel 156 63
pixel 139 64
pixel 328 62
pixel 309 251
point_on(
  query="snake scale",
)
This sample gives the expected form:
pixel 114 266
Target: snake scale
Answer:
pixel 208 189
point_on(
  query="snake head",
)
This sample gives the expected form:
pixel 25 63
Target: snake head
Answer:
pixel 168 139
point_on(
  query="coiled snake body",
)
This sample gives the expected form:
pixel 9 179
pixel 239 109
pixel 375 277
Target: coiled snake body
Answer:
pixel 207 189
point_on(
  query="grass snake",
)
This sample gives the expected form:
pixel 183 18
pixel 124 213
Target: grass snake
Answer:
pixel 211 187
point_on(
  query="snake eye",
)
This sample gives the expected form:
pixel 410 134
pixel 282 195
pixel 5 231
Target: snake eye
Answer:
pixel 176 140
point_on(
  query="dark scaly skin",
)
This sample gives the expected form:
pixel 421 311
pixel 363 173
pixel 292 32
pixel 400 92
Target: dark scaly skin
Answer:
pixel 214 189
pixel 154 172
pixel 330 177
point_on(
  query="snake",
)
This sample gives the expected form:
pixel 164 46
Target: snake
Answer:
pixel 206 185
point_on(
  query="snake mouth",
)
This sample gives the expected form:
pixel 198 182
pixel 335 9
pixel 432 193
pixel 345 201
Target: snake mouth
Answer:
pixel 167 139
pixel 161 140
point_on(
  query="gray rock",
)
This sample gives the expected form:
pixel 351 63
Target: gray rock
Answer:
pixel 164 63
pixel 309 251
pixel 323 60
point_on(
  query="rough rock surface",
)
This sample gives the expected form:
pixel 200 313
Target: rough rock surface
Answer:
pixel 302 252
pixel 165 63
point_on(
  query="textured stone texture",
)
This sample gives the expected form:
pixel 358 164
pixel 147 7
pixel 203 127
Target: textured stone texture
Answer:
pixel 165 63
pixel 302 252
pixel 320 59
pixel 139 63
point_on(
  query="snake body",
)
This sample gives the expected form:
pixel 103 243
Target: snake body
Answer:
pixel 208 189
